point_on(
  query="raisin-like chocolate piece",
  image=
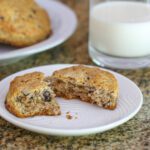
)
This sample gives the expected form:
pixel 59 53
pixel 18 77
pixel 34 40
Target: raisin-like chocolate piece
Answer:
pixel 47 96
pixel 88 78
pixel 34 11
pixel 30 16
pixel 1 18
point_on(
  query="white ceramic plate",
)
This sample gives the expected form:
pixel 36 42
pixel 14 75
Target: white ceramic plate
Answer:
pixel 64 23
pixel 87 118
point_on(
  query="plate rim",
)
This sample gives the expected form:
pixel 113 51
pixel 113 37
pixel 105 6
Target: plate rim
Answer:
pixel 21 52
pixel 72 132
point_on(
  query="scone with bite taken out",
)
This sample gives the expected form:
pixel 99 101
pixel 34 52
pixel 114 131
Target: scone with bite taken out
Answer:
pixel 90 84
pixel 29 95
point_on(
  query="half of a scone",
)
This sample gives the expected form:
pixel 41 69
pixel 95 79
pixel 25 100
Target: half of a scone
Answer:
pixel 89 84
pixel 29 95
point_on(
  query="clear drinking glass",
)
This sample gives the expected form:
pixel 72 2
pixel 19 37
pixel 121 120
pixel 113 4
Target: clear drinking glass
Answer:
pixel 119 33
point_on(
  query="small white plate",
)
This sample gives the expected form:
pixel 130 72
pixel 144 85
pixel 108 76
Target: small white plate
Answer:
pixel 87 118
pixel 64 23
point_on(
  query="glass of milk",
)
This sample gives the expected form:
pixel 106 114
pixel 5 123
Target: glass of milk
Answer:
pixel 119 34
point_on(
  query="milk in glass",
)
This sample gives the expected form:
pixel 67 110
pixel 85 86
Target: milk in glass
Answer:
pixel 121 28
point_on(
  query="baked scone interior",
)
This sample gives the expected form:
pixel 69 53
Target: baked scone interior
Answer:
pixel 88 84
pixel 29 95
pixel 36 102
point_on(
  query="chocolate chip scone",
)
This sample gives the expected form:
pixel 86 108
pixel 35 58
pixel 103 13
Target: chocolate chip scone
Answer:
pixel 89 84
pixel 23 23
pixel 30 95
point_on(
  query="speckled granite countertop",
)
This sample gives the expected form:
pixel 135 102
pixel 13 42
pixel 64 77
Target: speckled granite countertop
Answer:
pixel 135 134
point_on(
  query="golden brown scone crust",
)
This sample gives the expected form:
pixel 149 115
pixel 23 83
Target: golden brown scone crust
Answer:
pixel 92 77
pixel 30 83
pixel 89 76
pixel 23 23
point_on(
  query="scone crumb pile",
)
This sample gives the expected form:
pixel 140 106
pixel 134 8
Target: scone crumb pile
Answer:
pixel 70 115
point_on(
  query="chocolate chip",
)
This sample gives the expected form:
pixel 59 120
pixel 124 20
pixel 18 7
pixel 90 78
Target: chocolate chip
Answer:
pixel 18 99
pixel 47 96
pixel 34 11
pixel 90 92
pixel 30 16
pixel 1 18
pixel 39 26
